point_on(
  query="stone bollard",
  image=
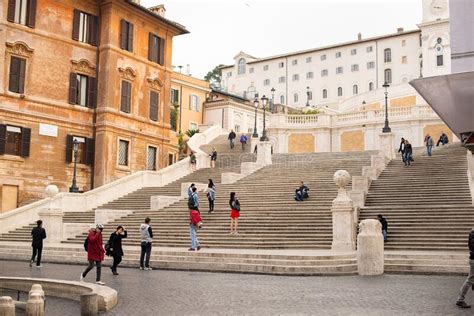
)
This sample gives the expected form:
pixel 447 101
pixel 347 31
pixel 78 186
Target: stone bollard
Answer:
pixel 370 248
pixel 343 226
pixel 89 304
pixel 7 307
pixel 36 288
pixel 35 305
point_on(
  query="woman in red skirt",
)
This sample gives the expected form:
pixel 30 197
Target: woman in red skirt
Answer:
pixel 234 213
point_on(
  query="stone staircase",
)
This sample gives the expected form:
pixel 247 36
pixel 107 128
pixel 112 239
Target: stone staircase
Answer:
pixel 270 217
pixel 428 205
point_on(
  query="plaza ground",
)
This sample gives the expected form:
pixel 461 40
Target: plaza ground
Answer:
pixel 162 292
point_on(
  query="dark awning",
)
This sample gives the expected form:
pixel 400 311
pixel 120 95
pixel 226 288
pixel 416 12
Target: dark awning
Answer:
pixel 451 97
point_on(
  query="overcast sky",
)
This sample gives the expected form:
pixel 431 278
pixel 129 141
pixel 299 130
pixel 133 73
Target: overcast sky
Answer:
pixel 220 29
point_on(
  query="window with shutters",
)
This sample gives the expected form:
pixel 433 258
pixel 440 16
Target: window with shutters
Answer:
pixel 338 54
pixel 323 57
pixel 296 77
pixel 355 68
pixel 295 97
pixel 194 102
pixel 339 70
pixel 371 86
pixel 22 12
pixel 355 89
pixel 387 55
pixel 325 93
pixel 82 90
pixel 369 49
pixel 151 158
pixel 15 140
pixel 265 68
pixel 81 149
pixel 324 73
pixel 126 35
pixel 154 101
pixel 282 79
pixel 85 27
pixel 309 75
pixel 156 49
pixel 123 152
pixel 281 64
pixel 353 52
pixel 17 75
pixel 126 97
pixel 266 82
pixel 339 92
pixel 85 149
pixel 282 99
pixel 370 65
pixel 174 96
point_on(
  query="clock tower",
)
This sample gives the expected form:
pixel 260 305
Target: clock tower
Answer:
pixel 435 39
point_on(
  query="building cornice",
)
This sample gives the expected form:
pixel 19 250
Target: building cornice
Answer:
pixel 431 23
pixel 184 83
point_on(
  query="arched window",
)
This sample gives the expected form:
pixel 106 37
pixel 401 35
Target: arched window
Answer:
pixel 388 75
pixel 295 97
pixel 339 92
pixel 371 86
pixel 325 93
pixel 282 99
pixel 355 89
pixel 241 69
pixel 387 55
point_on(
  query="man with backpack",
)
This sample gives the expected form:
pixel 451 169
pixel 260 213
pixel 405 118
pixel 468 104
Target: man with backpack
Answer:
pixel 193 200
pixel 146 238
pixel 95 252
pixel 243 141
pixel 190 190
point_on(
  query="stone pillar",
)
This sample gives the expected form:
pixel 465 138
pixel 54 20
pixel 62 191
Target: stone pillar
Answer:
pixel 36 288
pixel 264 153
pixel 387 145
pixel 360 183
pixel 7 306
pixel 52 217
pixel 35 305
pixel 89 304
pixel 370 248
pixel 343 227
pixel 378 162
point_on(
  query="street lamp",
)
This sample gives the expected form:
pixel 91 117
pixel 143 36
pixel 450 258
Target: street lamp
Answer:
pixel 307 96
pixel 75 148
pixel 386 128
pixel 264 137
pixel 255 134
pixel 363 105
pixel 272 104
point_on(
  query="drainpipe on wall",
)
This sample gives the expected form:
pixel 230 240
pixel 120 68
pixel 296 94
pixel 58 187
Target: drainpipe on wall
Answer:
pixel 94 115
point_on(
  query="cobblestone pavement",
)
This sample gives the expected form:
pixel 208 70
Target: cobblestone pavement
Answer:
pixel 162 292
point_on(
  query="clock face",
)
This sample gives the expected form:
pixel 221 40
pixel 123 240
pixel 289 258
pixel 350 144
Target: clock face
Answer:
pixel 438 6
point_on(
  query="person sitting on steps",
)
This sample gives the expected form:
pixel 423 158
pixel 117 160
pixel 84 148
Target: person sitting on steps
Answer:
pixel 301 193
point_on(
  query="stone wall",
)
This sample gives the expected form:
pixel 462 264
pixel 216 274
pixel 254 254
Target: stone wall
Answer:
pixel 352 141
pixel 301 143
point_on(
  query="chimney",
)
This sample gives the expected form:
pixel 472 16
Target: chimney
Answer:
pixel 158 9
pixel 359 36
pixel 188 70
pixel 400 30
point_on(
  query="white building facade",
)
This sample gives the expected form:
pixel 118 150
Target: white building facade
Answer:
pixel 329 75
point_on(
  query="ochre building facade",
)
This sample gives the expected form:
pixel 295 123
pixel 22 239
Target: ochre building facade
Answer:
pixel 97 73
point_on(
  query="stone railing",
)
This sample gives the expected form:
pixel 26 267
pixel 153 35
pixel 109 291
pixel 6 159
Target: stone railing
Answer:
pixel 81 202
pixel 353 118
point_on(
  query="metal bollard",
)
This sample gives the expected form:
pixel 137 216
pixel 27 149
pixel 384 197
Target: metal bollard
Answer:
pixel 35 305
pixel 89 304
pixel 7 307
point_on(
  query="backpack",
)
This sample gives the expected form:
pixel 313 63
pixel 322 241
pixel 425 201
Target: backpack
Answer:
pixel 191 203
pixel 86 243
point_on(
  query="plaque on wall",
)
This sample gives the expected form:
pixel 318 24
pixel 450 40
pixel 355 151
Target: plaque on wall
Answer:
pixel 48 130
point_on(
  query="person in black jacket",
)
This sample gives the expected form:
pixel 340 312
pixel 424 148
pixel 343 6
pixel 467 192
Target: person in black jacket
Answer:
pixel 384 223
pixel 469 283
pixel 38 234
pixel 408 153
pixel 231 139
pixel 401 149
pixel 115 249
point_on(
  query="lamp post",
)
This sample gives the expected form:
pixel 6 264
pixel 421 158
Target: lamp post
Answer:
pixel 307 96
pixel 272 104
pixel 264 137
pixel 386 128
pixel 255 133
pixel 363 105
pixel 75 148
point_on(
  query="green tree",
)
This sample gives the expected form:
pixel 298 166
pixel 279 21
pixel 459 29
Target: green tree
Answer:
pixel 214 76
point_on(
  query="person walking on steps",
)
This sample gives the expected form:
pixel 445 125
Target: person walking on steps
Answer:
pixel 213 156
pixel 190 189
pixel 146 238
pixel 211 195
pixel 243 141
pixel 37 234
pixel 429 144
pixel 193 200
pixel 231 139
pixel 384 223
pixel 408 153
pixel 115 247
pixel 234 213
pixel 192 161
pixel 401 149
pixel 195 223
pixel 469 282
pixel 95 252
